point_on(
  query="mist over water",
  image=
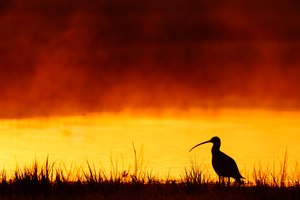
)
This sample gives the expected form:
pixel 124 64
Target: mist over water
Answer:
pixel 108 56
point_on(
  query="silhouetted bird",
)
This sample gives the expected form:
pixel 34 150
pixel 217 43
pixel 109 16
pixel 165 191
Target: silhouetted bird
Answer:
pixel 223 165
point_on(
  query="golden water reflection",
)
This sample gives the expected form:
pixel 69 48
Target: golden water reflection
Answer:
pixel 247 136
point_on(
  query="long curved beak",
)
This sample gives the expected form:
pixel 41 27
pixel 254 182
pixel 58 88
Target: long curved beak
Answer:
pixel 199 145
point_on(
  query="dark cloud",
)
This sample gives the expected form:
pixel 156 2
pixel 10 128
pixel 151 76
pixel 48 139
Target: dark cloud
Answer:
pixel 64 57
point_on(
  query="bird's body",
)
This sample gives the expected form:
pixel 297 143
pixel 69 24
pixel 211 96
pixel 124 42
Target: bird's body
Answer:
pixel 223 165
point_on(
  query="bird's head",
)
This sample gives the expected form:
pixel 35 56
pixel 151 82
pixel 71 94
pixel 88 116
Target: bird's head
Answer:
pixel 215 140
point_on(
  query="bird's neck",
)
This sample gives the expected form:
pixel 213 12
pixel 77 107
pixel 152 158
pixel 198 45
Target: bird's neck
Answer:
pixel 215 148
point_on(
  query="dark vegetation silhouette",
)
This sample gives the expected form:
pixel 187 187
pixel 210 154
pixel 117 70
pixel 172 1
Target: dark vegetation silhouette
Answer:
pixel 51 180
pixel 223 165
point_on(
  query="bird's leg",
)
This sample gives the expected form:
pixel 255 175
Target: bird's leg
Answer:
pixel 222 181
pixel 228 183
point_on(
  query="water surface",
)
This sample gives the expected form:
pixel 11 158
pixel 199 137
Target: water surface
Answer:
pixel 249 136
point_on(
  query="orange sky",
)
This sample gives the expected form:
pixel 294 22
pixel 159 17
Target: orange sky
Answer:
pixel 65 57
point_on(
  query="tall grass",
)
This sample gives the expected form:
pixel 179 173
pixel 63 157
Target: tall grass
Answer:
pixel 56 179
pixel 264 176
pixel 134 174
pixel 194 174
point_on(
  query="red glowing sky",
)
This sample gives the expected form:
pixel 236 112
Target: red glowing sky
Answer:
pixel 61 56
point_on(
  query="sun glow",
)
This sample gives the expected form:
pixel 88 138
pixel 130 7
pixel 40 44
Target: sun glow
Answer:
pixel 249 136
